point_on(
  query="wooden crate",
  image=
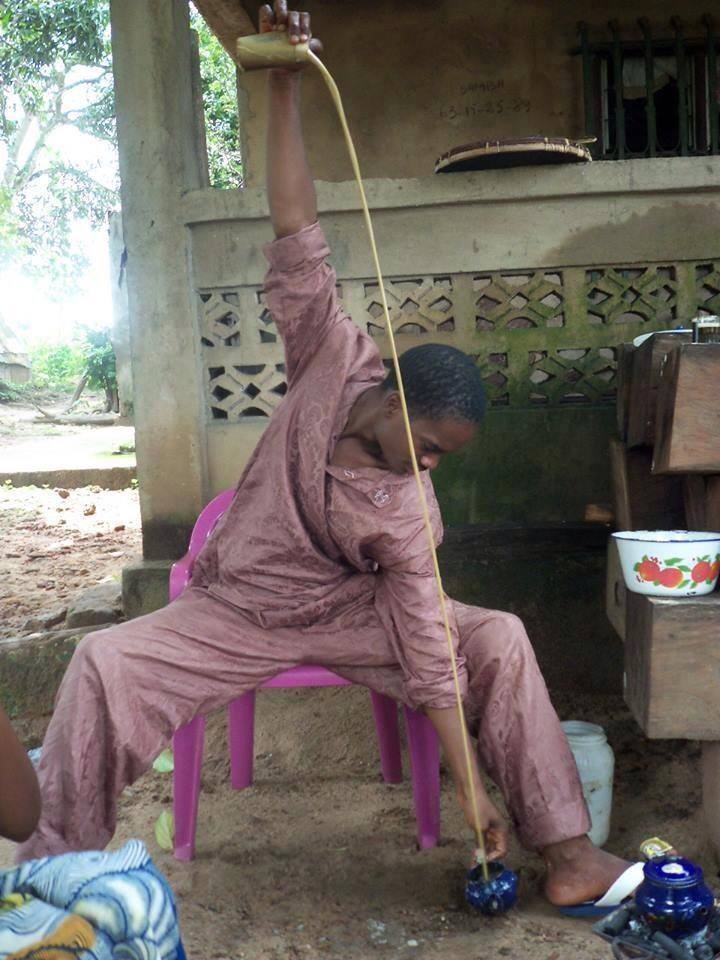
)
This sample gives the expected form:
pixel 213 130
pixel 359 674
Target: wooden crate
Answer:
pixel 695 497
pixel 672 665
pixel 647 362
pixel 712 504
pixel 688 411
pixel 623 377
pixel 643 500
pixel 615 591
pixel 702 501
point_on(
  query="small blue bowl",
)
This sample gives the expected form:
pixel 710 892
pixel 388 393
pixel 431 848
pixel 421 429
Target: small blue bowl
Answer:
pixel 495 895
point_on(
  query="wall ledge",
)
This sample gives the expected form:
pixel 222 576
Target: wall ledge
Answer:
pixel 665 175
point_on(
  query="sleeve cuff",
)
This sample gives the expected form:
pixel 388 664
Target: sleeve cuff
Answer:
pixel 287 254
pixel 437 694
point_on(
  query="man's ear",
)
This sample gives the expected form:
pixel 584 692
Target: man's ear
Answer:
pixel 391 403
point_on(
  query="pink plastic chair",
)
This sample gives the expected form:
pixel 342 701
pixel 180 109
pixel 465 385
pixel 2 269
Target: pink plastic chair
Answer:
pixel 188 740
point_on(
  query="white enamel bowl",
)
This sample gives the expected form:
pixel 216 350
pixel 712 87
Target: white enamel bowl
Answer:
pixel 669 563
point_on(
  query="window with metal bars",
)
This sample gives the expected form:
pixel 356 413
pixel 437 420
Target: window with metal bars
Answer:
pixel 651 96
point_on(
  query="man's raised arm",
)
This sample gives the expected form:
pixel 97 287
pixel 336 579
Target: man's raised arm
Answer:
pixel 290 188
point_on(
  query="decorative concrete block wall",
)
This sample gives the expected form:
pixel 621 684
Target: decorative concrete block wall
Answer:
pixel 541 337
pixel 536 274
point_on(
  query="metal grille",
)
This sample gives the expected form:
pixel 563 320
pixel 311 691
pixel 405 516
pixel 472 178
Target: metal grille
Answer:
pixel 651 96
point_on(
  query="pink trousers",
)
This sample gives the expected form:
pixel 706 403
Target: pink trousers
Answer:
pixel 128 688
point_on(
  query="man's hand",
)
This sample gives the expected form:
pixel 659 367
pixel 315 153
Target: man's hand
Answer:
pixel 278 17
pixel 492 823
pixel 449 728
pixel 295 22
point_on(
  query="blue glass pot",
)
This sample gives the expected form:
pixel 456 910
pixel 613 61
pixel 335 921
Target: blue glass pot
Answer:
pixel 673 897
pixel 496 894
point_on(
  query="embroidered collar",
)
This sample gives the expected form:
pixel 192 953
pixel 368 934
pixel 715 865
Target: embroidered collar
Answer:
pixel 379 486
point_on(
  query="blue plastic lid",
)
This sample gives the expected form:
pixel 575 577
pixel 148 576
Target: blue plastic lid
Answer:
pixel 673 871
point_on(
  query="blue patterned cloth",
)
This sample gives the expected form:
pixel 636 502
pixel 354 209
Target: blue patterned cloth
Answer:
pixel 89 906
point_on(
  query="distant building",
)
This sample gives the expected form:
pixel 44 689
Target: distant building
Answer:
pixel 14 359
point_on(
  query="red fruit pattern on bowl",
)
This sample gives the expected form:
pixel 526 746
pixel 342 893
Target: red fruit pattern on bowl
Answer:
pixel 703 570
pixel 648 570
pixel 674 574
pixel 671 577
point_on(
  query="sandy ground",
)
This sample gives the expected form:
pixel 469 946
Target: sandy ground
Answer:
pixel 56 543
pixel 317 858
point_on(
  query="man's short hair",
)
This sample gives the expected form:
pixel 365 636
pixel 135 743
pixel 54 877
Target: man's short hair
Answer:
pixel 441 383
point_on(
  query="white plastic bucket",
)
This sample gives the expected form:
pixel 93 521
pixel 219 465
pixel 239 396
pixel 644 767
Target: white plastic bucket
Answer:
pixel 596 765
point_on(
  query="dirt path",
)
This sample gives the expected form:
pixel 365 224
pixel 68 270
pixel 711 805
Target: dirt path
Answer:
pixel 28 444
pixel 85 447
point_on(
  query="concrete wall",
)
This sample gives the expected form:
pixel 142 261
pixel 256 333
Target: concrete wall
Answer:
pixel 14 358
pixel 537 272
pixel 541 273
pixel 419 79
pixel 553 578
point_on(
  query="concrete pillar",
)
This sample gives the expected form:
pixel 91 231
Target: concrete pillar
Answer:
pixel 120 316
pixel 159 161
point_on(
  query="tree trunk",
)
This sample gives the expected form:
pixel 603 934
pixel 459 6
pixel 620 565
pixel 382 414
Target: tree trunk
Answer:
pixel 82 383
pixel 112 401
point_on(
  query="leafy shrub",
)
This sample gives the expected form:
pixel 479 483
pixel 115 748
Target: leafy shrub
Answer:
pixel 57 366
pixel 60 366
pixel 99 358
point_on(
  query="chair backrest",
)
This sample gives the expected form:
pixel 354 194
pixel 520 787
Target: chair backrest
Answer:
pixel 304 675
pixel 205 523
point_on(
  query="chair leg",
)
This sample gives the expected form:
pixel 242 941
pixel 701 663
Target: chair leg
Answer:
pixel 187 760
pixel 425 771
pixel 386 726
pixel 241 737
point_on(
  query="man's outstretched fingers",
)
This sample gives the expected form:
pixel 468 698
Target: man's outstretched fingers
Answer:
pixel 266 18
pixel 294 26
pixel 304 26
pixel 281 14
pixel 497 842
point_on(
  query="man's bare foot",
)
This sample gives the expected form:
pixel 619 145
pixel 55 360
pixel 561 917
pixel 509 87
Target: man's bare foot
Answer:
pixel 577 871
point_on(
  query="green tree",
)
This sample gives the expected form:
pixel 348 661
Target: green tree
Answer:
pixel 89 361
pixel 57 366
pixel 55 70
pixel 219 92
pixel 100 365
